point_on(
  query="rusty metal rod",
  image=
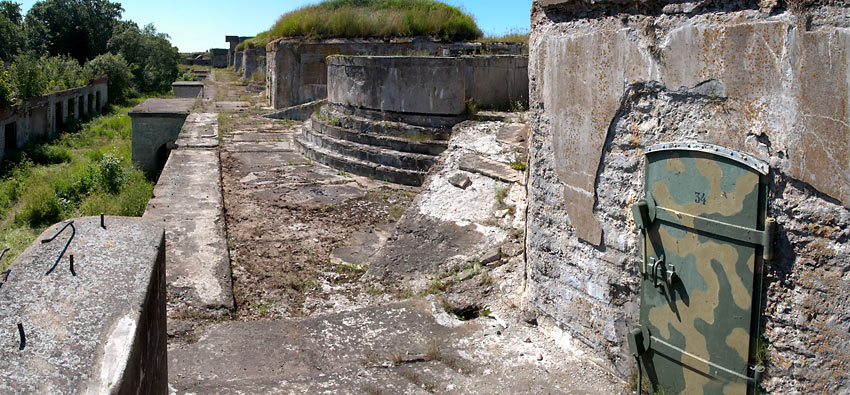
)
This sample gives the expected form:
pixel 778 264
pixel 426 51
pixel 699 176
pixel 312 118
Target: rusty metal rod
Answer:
pixel 22 335
pixel 67 244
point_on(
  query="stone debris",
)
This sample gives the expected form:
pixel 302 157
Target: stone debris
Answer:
pixel 460 180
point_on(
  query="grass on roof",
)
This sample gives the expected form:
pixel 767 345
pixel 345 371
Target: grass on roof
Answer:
pixel 260 41
pixel 375 19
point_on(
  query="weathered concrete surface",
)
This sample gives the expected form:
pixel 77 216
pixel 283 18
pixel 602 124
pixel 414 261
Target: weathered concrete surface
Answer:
pixel 156 123
pixel 187 89
pixel 421 85
pixel 187 202
pixel 199 131
pixel 499 81
pixel 298 73
pixel 402 348
pixel 253 60
pixel 218 57
pixel 448 227
pixel 301 112
pixel 99 329
pixel 769 82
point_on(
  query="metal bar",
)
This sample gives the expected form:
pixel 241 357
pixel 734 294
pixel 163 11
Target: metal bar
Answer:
pixel 735 232
pixel 740 157
pixel 67 244
pixel 22 335
pixel 695 362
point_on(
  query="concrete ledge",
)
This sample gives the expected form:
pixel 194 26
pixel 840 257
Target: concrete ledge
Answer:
pixel 100 329
pixel 188 89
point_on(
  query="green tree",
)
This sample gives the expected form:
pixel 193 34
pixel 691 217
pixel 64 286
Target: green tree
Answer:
pixel 11 30
pixel 28 78
pixel 5 87
pixel 116 68
pixel 79 28
pixel 153 57
pixel 62 72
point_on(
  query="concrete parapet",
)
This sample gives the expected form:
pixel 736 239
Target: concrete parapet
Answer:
pixel 238 56
pixel 98 326
pixel 497 81
pixel 298 72
pixel 188 89
pixel 156 123
pixel 418 85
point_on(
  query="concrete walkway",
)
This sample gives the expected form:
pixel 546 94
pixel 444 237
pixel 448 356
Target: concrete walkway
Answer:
pixel 306 323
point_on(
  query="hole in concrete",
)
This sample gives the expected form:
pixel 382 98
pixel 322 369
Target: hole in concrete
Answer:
pixel 465 312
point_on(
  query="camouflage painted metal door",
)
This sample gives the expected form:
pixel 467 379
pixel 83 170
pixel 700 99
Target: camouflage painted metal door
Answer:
pixel 705 232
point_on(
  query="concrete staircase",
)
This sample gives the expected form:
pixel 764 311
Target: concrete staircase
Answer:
pixel 387 151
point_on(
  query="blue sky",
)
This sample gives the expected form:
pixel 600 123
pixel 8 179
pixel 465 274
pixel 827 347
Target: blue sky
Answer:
pixel 197 25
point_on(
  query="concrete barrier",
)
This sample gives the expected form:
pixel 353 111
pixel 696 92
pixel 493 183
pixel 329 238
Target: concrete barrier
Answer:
pixel 421 85
pixel 46 115
pixel 218 57
pixel 253 60
pixel 156 123
pixel 297 72
pixel 98 326
pixel 187 89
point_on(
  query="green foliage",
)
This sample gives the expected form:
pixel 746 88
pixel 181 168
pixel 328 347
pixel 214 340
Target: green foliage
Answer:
pixel 28 79
pixel 259 41
pixel 41 207
pixel 111 175
pixel 11 30
pixel 62 72
pixel 118 71
pixel 513 36
pixel 186 74
pixel 79 28
pixel 153 57
pixel 377 18
pixel 6 87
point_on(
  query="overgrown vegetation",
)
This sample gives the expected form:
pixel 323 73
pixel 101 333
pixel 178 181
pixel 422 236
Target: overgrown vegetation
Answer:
pixel 513 36
pixel 84 173
pixel 63 44
pixel 372 19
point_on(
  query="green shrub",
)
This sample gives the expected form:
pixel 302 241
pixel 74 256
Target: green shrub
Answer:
pixel 111 174
pixel 118 71
pixel 135 194
pixel 377 18
pixel 42 153
pixel 28 78
pixel 62 72
pixel 75 186
pixel 42 207
pixel 6 87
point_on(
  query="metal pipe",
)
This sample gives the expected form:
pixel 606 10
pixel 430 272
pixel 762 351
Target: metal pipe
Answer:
pixel 67 244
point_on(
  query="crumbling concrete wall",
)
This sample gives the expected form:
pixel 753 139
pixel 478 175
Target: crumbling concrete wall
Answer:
pixel 45 115
pixel 609 78
pixel 297 71
pixel 253 60
pixel 97 326
pixel 237 60
pixel 232 55
pixel 218 57
pixel 426 85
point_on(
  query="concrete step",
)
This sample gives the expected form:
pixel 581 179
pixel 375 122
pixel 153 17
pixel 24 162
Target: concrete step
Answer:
pixel 381 127
pixel 413 143
pixel 357 166
pixel 379 155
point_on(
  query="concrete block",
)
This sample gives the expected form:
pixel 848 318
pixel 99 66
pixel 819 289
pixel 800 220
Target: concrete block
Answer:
pixel 99 329
pixel 187 89
pixel 156 123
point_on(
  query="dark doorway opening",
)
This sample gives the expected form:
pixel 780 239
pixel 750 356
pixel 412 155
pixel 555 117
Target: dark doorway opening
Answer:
pixel 10 137
pixel 58 120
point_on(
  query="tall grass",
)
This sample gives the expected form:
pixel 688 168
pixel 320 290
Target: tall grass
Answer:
pixel 84 173
pixel 377 19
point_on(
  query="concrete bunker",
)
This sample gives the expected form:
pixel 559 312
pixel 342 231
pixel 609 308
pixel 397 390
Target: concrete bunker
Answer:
pixel 156 124
pixel 96 321
pixel 188 89
pixel 604 88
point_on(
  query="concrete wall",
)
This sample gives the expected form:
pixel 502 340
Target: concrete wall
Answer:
pixel 752 77
pixel 297 72
pixel 156 123
pixel 237 60
pixel 187 89
pixel 253 60
pixel 44 116
pixel 232 56
pixel 426 85
pixel 98 329
pixel 420 85
pixel 218 58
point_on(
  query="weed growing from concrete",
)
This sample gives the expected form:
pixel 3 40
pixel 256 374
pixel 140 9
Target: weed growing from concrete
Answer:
pixel 519 162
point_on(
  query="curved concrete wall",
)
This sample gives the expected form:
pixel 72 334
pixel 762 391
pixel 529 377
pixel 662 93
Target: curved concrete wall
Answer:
pixel 426 85
pixel 419 85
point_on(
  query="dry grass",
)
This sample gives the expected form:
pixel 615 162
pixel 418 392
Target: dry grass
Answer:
pixel 378 19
